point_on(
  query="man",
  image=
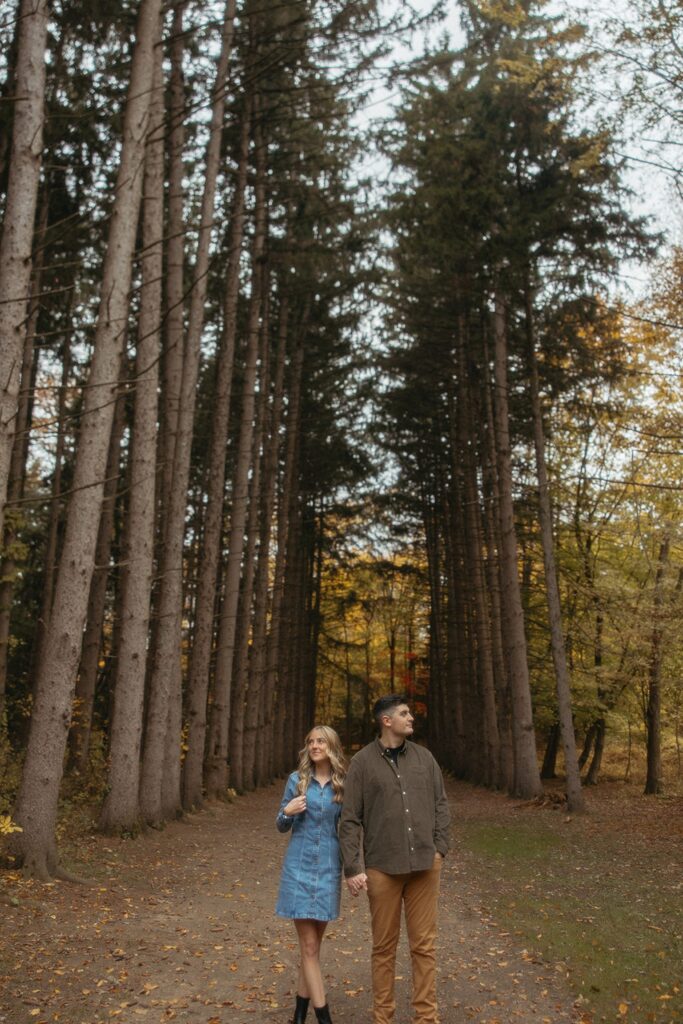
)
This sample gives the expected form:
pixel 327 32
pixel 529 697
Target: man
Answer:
pixel 394 795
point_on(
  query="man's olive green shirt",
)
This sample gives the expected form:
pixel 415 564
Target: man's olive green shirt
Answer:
pixel 400 810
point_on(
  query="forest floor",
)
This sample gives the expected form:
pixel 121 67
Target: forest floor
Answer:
pixel 544 917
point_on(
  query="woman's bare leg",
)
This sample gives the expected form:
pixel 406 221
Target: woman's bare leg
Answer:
pixel 310 935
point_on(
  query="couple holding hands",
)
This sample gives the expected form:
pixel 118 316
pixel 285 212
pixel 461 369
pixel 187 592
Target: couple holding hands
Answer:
pixel 386 820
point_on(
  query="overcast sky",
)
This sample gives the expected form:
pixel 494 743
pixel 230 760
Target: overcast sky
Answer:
pixel 654 194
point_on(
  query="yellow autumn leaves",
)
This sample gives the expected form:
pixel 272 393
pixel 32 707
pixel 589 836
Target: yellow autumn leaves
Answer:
pixel 7 826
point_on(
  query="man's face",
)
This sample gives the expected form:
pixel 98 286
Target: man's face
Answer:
pixel 400 721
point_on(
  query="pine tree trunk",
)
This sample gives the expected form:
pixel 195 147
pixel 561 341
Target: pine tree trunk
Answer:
pixel 527 777
pixel 55 515
pixel 286 741
pixel 575 798
pixel 240 693
pixel 213 523
pixel 491 748
pixel 491 775
pixel 438 713
pixel 598 750
pixel 491 526
pixel 88 669
pixel 290 653
pixel 120 809
pixel 255 721
pixel 172 355
pixel 551 751
pixel 272 754
pixel 160 778
pixel 37 802
pixel 173 349
pixel 463 677
pixel 588 742
pixel 16 244
pixel 314 583
pixel 654 782
pixel 457 648
pixel 20 447
pixel 217 757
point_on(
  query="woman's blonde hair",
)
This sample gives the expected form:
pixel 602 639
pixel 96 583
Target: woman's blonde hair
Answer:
pixel 335 753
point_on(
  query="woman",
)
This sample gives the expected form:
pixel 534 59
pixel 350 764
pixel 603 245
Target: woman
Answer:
pixel 310 886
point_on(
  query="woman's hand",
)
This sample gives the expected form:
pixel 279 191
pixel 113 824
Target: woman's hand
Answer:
pixel 295 806
pixel 357 883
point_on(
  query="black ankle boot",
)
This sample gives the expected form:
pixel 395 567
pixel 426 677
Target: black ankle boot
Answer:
pixel 323 1014
pixel 300 1011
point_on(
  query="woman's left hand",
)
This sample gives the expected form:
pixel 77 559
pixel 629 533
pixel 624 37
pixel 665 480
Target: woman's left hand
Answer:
pixel 295 806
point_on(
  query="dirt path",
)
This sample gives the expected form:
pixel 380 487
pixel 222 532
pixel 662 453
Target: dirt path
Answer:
pixel 180 926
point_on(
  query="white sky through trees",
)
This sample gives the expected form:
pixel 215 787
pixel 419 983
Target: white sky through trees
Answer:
pixel 652 162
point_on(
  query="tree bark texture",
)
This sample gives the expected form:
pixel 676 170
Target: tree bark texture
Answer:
pixel 255 720
pixel 207 579
pixel 273 758
pixel 491 525
pixel 551 752
pixel 20 447
pixel 37 801
pixel 16 244
pixel 575 798
pixel 491 748
pixel 437 711
pixel 240 694
pixel 160 794
pixel 219 725
pixel 120 809
pixel 172 354
pixel 457 647
pixel 56 513
pixel 88 669
pixel 527 777
pixel 653 715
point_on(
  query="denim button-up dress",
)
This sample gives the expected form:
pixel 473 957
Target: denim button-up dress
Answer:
pixel 310 885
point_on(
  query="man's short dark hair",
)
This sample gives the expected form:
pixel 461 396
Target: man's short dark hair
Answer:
pixel 386 704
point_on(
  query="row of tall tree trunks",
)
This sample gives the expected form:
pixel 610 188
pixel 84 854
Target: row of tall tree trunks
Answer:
pixel 212 588
pixel 481 717
pixel 474 305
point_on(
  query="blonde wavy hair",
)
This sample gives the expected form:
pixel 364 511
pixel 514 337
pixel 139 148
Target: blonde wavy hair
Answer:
pixel 335 753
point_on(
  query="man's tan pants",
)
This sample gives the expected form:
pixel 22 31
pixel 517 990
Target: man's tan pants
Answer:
pixel 418 892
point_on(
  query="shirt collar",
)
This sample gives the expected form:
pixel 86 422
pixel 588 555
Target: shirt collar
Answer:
pixel 383 750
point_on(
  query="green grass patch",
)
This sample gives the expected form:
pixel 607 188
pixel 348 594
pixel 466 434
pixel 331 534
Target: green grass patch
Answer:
pixel 604 908
pixel 501 844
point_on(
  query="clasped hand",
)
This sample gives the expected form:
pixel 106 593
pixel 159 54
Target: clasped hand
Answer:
pixel 357 883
